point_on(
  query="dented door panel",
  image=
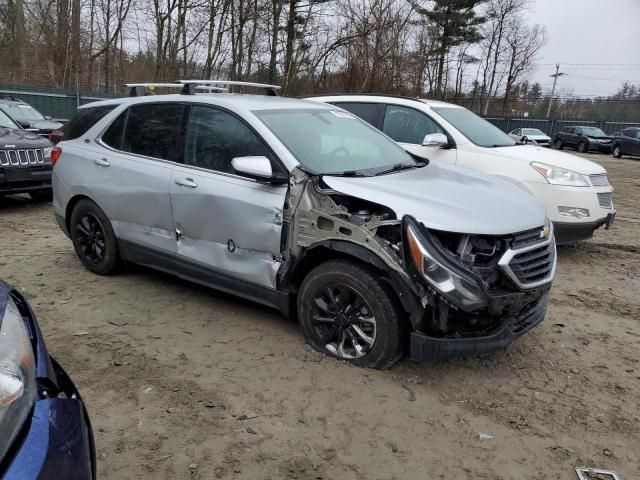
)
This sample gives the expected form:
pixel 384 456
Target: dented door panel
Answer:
pixel 228 223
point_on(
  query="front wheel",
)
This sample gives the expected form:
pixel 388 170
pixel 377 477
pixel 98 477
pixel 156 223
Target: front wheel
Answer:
pixel 558 144
pixel 347 312
pixel 617 152
pixel 93 238
pixel 582 147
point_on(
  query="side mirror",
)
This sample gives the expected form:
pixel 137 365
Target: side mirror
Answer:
pixel 255 167
pixel 24 123
pixel 48 117
pixel 435 140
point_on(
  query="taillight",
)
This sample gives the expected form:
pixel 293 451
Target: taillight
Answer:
pixel 55 155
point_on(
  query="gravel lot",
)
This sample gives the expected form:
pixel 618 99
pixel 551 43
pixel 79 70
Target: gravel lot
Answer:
pixel 185 382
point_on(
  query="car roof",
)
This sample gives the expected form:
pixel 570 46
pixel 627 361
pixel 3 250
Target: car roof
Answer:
pixel 382 98
pixel 234 101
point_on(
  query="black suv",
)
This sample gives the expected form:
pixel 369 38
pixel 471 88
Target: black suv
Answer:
pixel 25 161
pixel 626 142
pixel 583 139
pixel 28 117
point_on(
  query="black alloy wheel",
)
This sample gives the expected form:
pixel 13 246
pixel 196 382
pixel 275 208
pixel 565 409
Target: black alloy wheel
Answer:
pixel 343 321
pixel 348 311
pixel 91 239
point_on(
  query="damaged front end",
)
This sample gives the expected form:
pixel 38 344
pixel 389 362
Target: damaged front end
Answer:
pixel 463 294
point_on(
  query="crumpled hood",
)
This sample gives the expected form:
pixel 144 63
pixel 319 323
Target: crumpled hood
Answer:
pixel 531 153
pixel 449 198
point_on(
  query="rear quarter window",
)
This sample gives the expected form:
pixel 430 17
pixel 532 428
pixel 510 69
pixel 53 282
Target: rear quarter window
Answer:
pixel 84 119
pixel 366 111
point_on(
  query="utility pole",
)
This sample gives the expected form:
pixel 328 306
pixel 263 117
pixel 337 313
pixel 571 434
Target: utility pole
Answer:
pixel 553 89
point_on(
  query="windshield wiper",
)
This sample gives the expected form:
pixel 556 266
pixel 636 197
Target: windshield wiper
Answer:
pixel 401 166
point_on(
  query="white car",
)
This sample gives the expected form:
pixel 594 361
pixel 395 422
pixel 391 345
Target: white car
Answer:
pixel 531 135
pixel 575 192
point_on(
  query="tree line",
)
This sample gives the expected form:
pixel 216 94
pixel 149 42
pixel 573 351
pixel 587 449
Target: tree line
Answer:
pixel 476 52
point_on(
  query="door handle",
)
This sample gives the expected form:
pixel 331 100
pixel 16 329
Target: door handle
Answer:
pixel 103 162
pixel 186 182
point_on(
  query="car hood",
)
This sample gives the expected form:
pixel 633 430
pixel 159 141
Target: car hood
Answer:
pixel 449 198
pixel 45 126
pixel 16 139
pixel 531 153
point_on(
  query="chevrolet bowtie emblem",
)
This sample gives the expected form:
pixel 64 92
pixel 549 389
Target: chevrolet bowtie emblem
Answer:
pixel 544 233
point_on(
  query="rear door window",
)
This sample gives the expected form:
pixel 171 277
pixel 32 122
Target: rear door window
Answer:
pixel 369 112
pixel 153 130
pixel 84 119
pixel 406 125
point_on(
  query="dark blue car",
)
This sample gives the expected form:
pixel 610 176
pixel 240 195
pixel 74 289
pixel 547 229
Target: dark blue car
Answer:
pixel 45 432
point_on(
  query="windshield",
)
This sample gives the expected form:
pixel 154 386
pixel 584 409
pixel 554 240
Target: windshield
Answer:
pixel 593 132
pixel 334 142
pixel 476 129
pixel 6 122
pixel 23 112
pixel 532 131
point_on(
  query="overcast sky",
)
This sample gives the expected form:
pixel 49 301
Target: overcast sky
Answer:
pixel 603 36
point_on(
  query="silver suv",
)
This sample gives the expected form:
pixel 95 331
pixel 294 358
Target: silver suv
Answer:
pixel 304 207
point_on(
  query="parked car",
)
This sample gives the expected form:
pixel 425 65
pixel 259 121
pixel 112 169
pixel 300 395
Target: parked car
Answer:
pixel 583 139
pixel 575 191
pixel 533 135
pixel 45 432
pixel 626 142
pixel 303 207
pixel 28 117
pixel 25 161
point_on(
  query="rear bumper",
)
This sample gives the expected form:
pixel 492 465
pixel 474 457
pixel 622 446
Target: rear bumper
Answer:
pixel 425 348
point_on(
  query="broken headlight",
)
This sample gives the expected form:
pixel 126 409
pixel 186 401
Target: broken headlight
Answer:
pixel 461 288
pixel 17 375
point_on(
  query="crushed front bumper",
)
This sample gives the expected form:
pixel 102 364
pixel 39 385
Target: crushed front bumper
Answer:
pixel 425 348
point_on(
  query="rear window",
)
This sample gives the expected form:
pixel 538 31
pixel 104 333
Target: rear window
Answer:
pixel 83 120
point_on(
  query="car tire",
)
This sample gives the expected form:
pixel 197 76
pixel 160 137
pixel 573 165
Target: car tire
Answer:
pixel 41 196
pixel 582 147
pixel 558 144
pixel 617 151
pixel 93 239
pixel 346 311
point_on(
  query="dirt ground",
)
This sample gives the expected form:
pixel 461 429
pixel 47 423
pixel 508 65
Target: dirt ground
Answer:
pixel 185 382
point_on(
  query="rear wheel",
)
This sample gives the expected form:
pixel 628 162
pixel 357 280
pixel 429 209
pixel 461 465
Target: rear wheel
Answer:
pixel 617 151
pixel 347 312
pixel 93 239
pixel 41 196
pixel 582 147
pixel 558 144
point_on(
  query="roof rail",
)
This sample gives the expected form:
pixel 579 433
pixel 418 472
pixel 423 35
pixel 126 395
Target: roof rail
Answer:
pixel 190 85
pixel 142 89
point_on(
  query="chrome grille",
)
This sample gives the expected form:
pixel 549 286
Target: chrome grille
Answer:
pixel 604 199
pixel 599 180
pixel 531 266
pixel 21 157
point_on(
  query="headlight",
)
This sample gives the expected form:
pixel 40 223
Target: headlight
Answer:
pixel 47 153
pixel 465 293
pixel 17 375
pixel 560 176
